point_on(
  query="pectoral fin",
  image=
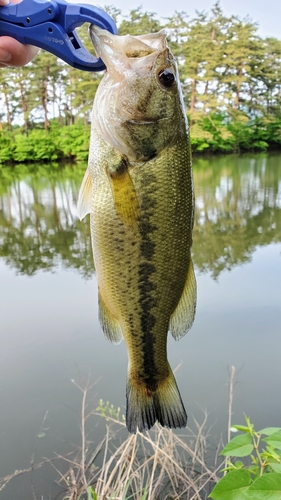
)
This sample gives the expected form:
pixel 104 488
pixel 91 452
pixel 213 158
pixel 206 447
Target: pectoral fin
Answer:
pixel 183 316
pixel 85 196
pixel 109 324
pixel 124 193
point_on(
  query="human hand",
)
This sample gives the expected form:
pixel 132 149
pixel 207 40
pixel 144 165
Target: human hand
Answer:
pixel 12 52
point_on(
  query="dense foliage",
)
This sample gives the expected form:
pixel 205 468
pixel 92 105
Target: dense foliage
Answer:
pixel 258 477
pixel 230 78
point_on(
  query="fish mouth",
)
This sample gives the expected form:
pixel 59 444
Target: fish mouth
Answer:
pixel 121 54
pixel 147 121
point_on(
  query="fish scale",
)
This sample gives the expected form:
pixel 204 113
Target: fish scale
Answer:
pixel 138 189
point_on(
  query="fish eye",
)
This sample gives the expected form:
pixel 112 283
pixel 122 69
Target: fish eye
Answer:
pixel 166 77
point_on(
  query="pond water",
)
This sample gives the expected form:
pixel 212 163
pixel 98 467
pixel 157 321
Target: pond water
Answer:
pixel 49 319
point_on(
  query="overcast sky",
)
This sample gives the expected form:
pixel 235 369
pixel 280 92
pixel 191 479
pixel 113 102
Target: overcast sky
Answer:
pixel 266 13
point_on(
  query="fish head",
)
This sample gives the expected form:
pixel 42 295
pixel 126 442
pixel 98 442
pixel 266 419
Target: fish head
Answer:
pixel 138 107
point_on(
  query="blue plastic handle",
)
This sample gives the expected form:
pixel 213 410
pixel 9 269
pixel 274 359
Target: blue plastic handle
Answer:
pixel 51 26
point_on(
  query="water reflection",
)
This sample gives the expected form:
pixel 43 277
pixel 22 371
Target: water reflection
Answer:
pixel 39 228
pixel 238 208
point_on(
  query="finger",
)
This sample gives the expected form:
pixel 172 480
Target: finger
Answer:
pixel 13 53
pixel 6 2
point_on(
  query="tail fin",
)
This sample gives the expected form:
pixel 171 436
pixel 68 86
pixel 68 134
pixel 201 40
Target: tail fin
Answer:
pixel 144 407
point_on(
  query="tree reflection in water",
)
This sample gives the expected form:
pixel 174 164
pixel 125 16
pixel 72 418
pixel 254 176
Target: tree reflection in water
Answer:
pixel 238 208
pixel 39 228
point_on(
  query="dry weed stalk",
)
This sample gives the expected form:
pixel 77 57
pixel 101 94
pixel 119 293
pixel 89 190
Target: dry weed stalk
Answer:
pixel 155 465
pixel 4 481
pixel 152 465
pixel 230 404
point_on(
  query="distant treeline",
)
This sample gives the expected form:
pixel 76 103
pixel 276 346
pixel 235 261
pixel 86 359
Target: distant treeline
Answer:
pixel 230 76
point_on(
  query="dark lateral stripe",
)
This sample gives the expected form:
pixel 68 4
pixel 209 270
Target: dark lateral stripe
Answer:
pixel 147 286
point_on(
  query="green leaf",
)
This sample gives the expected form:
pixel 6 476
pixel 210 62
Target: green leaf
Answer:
pixel 227 469
pixel 239 446
pixel 91 494
pixel 269 430
pixel 275 466
pixel 266 487
pixel 274 440
pixel 144 495
pixel 254 470
pixel 233 486
pixel 124 496
pixel 41 435
pixel 238 464
pixel 248 421
pixel 249 424
pixel 242 428
pixel 271 453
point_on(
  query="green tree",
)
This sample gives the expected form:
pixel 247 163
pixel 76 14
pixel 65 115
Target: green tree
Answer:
pixel 6 95
pixel 242 52
pixel 269 75
pixel 46 70
pixel 138 23
pixel 230 78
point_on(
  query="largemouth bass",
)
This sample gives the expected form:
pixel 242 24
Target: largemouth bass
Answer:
pixel 138 190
